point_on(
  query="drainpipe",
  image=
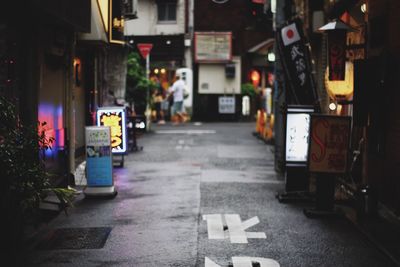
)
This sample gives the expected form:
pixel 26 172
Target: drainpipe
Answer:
pixel 70 113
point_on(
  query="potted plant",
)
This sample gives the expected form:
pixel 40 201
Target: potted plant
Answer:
pixel 24 179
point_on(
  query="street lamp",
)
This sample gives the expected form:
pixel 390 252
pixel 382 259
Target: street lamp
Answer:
pixel 337 31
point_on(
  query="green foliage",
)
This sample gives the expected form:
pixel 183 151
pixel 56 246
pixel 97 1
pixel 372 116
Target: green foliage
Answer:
pixel 248 89
pixel 25 181
pixel 137 85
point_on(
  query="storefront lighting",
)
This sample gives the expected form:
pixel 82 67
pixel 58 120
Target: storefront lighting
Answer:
pixel 271 57
pixel 341 89
pixel 131 41
pixel 273 6
pixel 332 106
pixel 364 8
pixel 163 71
pixel 156 71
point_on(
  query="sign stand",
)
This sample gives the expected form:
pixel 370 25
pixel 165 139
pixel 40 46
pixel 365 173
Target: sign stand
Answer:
pixel 328 157
pixel 296 148
pixel 99 169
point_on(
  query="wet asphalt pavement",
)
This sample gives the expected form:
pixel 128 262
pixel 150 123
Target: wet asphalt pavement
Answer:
pixel 199 195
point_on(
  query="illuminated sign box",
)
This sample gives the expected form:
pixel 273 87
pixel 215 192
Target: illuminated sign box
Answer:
pixel 115 118
pixel 297 134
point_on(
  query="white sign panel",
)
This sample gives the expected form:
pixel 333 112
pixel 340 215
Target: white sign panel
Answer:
pixel 226 104
pixel 297 132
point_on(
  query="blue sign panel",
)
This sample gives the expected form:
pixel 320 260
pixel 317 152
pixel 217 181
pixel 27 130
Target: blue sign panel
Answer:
pixel 98 156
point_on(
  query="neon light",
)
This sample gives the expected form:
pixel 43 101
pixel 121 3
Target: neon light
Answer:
pixel 53 116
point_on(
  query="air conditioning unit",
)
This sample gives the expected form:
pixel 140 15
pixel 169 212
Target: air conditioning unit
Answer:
pixel 130 9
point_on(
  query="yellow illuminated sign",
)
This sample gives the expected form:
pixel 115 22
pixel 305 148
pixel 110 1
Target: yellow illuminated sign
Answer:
pixel 115 119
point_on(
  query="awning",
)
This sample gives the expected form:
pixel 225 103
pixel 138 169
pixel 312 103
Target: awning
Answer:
pixel 263 47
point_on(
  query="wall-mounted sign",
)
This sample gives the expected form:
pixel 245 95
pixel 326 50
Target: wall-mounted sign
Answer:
pixel 98 156
pixel 117 23
pixel 115 118
pixel 213 47
pixel 226 104
pixel 329 144
pixel 297 134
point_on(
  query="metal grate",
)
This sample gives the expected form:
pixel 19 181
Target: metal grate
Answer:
pixel 76 238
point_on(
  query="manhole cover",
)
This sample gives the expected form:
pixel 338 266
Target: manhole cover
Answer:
pixel 77 238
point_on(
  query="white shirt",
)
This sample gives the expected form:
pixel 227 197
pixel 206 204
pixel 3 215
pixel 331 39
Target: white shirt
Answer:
pixel 177 89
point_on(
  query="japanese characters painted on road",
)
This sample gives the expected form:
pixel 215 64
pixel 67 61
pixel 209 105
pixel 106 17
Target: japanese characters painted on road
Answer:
pixel 297 133
pixel 98 156
pixel 115 118
pixel 329 144
pixel 226 105
pixel 245 262
pixel 297 64
pixel 236 228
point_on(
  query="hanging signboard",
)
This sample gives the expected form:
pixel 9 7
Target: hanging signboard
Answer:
pixel 297 134
pixel 115 118
pixel 297 64
pixel 329 144
pixel 117 23
pixel 98 156
pixel 337 55
pixel 213 47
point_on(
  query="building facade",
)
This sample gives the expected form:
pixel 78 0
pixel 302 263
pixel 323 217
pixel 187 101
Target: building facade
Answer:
pixel 54 68
pixel 227 37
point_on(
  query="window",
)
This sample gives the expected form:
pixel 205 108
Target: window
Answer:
pixel 166 11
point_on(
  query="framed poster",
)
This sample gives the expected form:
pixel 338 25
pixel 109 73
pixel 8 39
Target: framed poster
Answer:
pixel 115 118
pixel 329 144
pixel 98 156
pixel 297 134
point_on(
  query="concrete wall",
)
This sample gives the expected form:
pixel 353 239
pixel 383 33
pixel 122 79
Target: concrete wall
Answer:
pixel 212 79
pixel 147 23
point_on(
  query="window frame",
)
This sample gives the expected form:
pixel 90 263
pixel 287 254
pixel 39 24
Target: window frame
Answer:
pixel 168 6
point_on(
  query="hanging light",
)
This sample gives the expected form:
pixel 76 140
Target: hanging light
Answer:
pixel 271 56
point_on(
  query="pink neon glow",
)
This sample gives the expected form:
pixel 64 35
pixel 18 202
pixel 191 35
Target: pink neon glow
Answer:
pixel 53 116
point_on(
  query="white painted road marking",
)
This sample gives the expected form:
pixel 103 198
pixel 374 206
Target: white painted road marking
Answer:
pixel 215 227
pixel 210 263
pixel 236 228
pixel 248 262
pixel 245 262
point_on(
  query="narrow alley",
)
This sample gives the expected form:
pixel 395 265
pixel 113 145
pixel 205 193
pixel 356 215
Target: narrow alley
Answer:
pixel 199 195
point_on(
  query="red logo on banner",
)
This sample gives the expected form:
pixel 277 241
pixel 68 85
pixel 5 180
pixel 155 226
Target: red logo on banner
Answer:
pixel 144 49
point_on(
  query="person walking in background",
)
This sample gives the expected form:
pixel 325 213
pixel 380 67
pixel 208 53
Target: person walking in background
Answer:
pixel 157 100
pixel 177 90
